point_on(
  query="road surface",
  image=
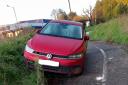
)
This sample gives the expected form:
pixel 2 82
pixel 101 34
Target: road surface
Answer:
pixel 117 67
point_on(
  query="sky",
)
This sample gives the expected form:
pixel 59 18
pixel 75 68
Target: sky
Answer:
pixel 38 9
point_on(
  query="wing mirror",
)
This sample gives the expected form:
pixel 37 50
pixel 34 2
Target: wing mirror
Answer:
pixel 86 37
pixel 38 31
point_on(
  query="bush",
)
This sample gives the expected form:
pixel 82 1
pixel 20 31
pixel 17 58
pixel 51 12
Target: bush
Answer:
pixel 12 68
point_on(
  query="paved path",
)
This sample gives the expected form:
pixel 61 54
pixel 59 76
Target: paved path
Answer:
pixel 117 67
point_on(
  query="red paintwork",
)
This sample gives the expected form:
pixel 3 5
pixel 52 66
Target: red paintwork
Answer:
pixel 63 62
pixel 59 46
pixel 55 45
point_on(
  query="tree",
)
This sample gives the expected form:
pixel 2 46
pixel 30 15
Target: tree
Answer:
pixel 77 18
pixel 71 15
pixel 124 2
pixel 88 13
pixel 54 13
pixel 59 14
pixel 108 9
pixel 98 10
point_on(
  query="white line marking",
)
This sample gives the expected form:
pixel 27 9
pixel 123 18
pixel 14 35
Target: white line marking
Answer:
pixel 104 74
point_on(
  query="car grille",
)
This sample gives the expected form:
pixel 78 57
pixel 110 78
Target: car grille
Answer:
pixel 45 54
pixel 57 69
pixel 39 53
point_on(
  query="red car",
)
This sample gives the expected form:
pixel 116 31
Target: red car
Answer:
pixel 59 46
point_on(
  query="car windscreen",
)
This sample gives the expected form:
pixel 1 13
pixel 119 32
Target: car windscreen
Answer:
pixel 62 30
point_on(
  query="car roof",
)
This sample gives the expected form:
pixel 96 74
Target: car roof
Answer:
pixel 68 22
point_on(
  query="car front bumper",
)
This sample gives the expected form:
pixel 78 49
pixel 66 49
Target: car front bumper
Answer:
pixel 66 66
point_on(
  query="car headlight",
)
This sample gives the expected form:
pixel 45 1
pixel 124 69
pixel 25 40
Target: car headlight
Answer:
pixel 28 49
pixel 76 56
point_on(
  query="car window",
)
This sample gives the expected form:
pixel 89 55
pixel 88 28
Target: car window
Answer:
pixel 63 30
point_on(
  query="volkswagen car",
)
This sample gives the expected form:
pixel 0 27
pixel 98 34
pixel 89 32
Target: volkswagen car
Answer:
pixel 60 47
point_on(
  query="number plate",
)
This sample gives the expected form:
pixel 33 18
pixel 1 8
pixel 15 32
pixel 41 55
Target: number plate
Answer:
pixel 48 63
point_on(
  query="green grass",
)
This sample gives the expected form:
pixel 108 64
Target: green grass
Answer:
pixel 12 69
pixel 111 31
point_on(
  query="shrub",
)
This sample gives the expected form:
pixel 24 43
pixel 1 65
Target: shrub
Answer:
pixel 12 68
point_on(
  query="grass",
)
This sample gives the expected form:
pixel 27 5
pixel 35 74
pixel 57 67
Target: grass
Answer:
pixel 114 31
pixel 12 68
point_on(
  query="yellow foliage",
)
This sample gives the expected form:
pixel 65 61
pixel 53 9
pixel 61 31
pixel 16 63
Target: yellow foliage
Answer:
pixel 125 2
pixel 77 18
